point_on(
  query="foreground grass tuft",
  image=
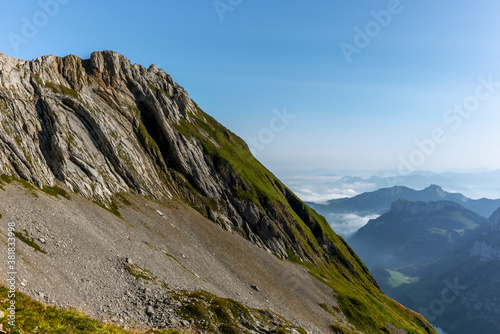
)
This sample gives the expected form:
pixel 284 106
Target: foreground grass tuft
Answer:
pixel 29 241
pixel 56 192
pixel 35 317
pixel 213 314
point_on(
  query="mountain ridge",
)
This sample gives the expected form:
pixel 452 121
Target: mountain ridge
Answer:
pixel 379 201
pixel 103 127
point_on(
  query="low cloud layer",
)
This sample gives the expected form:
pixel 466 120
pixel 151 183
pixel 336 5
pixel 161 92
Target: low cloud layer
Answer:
pixel 346 224
pixel 321 189
pixel 310 194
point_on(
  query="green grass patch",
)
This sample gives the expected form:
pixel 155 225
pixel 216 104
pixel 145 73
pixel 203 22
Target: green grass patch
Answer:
pixel 27 186
pixel 227 329
pixel 339 330
pixel 123 199
pixel 111 207
pixel 326 308
pixel 35 317
pixel 55 88
pixel 139 273
pixel 146 137
pixel 5 178
pixel 221 315
pixel 56 192
pixel 154 88
pixel 60 89
pixel 29 241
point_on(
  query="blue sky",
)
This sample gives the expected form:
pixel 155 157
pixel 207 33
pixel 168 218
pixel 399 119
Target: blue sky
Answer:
pixel 246 61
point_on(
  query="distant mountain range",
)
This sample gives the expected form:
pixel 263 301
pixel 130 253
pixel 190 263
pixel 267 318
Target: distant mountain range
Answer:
pixel 379 201
pixel 438 258
pixel 322 185
pixel 460 291
pixel 412 233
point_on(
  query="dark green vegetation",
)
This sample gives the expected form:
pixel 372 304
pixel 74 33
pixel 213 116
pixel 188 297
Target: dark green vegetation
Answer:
pixel 154 88
pixel 57 89
pixel 213 314
pixel 56 191
pixel 24 237
pixel 34 317
pixel 139 273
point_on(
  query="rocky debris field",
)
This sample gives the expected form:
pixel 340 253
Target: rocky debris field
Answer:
pixel 143 268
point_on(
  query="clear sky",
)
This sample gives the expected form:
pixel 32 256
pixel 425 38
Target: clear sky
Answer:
pixel 310 84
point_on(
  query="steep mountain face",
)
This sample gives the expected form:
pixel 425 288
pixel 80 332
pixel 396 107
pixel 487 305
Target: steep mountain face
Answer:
pixel 414 233
pixel 487 246
pixel 460 291
pixel 379 201
pixel 104 128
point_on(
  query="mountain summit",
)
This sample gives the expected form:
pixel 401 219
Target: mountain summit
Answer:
pixel 131 139
pixel 102 126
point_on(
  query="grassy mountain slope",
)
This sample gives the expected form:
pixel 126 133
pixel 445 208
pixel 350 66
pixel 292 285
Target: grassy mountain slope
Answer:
pixel 328 257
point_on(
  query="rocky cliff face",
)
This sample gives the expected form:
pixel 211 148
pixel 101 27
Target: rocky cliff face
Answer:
pixel 102 126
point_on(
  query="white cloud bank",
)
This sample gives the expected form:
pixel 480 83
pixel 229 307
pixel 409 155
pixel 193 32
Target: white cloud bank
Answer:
pixel 346 224
pixel 310 194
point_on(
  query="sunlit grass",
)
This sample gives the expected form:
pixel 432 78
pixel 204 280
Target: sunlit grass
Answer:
pixel 35 317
